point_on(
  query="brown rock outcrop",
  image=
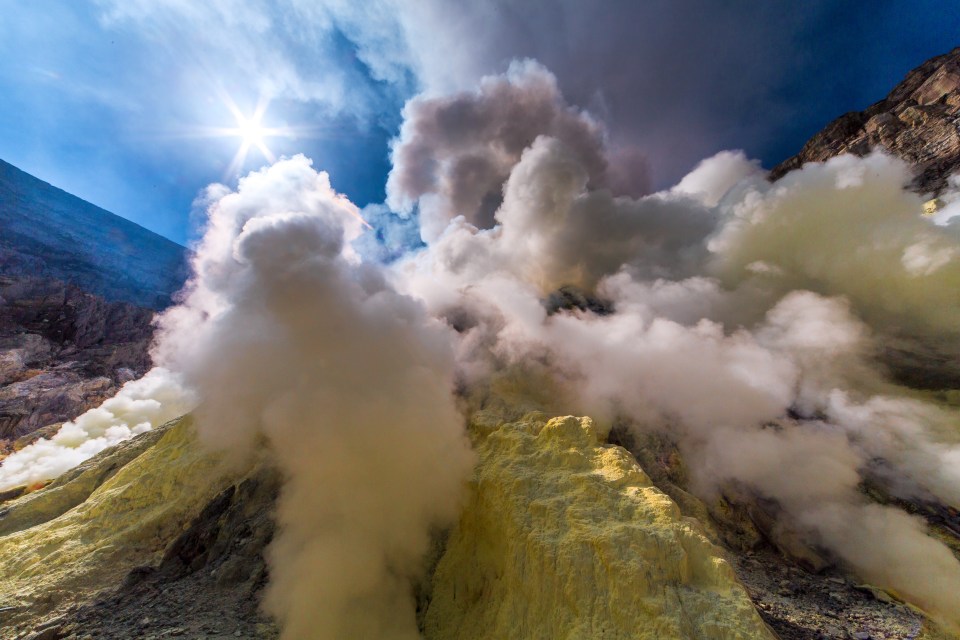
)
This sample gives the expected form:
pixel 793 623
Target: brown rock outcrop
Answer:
pixel 919 121
pixel 63 351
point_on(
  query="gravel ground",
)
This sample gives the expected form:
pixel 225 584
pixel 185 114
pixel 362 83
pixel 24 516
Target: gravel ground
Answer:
pixel 803 606
pixel 208 585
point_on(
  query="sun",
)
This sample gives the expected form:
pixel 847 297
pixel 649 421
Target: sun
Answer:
pixel 254 134
pixel 251 131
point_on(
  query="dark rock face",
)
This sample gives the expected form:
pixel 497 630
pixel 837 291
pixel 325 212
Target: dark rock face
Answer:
pixel 63 351
pixel 78 289
pixel 49 233
pixel 568 298
pixel 919 121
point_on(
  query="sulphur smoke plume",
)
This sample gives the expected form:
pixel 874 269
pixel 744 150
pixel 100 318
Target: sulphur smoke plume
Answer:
pixel 288 337
pixel 745 320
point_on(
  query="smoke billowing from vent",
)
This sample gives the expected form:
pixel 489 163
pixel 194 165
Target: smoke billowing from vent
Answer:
pixel 139 406
pixel 756 325
pixel 752 323
pixel 291 341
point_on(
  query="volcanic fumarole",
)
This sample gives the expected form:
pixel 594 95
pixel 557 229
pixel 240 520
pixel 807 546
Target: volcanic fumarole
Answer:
pixel 744 320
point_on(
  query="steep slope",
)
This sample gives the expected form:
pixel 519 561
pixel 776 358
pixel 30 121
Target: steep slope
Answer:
pixel 49 233
pixel 63 351
pixel 918 121
pixel 78 287
pixel 87 531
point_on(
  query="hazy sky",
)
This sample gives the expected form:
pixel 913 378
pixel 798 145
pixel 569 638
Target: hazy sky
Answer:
pixel 120 101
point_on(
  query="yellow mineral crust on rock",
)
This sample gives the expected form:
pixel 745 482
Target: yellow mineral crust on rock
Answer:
pixel 564 537
pixel 930 207
pixel 125 522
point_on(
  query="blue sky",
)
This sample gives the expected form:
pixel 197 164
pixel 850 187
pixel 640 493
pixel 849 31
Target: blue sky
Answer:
pixel 115 100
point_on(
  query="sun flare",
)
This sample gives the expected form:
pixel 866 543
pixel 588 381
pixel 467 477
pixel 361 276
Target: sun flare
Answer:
pixel 251 131
pixel 254 133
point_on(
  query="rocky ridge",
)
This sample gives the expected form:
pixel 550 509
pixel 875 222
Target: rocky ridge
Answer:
pixel 78 290
pixel 89 529
pixel 566 536
pixel 918 121
pixel 48 233
pixel 63 351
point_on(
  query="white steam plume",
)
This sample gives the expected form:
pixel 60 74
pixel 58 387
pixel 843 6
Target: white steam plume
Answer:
pixel 553 231
pixel 139 406
pixel 289 338
pixel 847 227
pixel 713 177
pixel 747 320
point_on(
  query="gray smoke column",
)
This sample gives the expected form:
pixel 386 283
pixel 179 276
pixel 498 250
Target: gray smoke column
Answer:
pixel 292 343
pixel 745 320
pixel 455 152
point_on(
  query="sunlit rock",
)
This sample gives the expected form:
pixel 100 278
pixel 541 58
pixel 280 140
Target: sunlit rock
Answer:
pixel 566 537
pixel 84 533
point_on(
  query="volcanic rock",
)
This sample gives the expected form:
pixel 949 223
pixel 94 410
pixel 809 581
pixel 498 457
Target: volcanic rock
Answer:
pixel 48 233
pixel 84 533
pixel 919 122
pixel 564 536
pixel 63 351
